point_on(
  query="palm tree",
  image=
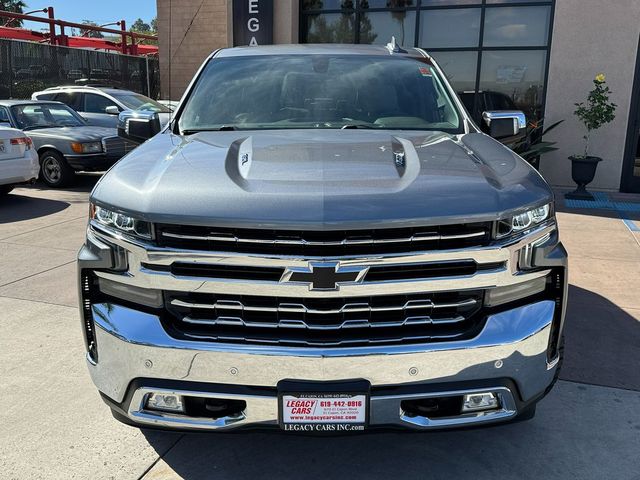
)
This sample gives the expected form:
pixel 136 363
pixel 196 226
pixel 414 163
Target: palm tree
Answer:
pixel 15 6
pixel 399 14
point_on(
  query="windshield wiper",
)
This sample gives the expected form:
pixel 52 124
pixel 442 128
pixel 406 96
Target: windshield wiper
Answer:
pixel 223 128
pixel 355 125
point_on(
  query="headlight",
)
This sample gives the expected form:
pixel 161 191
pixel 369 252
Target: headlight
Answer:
pixel 523 221
pixel 89 147
pixel 121 222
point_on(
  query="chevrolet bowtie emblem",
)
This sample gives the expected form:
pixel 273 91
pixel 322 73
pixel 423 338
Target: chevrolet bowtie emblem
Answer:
pixel 324 275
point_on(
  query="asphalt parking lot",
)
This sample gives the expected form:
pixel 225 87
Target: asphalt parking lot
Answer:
pixel 54 425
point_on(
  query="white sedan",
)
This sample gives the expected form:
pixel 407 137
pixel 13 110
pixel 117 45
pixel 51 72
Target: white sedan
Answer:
pixel 18 159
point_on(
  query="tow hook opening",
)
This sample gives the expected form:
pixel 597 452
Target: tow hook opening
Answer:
pixel 190 406
pixel 450 406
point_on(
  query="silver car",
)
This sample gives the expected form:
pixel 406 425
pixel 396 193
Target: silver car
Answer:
pixel 100 106
pixel 63 140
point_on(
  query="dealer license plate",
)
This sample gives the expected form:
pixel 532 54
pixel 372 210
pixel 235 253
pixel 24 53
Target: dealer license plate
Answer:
pixel 323 412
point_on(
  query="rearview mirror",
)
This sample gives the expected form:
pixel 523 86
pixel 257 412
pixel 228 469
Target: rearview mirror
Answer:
pixel 138 126
pixel 112 110
pixel 502 124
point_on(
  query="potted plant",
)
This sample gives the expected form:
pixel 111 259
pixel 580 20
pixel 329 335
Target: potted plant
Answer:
pixel 593 114
pixel 532 146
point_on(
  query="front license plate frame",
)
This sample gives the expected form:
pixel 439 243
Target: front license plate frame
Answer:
pixel 324 407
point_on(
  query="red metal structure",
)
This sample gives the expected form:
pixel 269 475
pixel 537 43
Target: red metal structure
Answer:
pixel 129 43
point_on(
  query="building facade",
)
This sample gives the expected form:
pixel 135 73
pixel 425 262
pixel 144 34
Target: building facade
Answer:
pixel 537 56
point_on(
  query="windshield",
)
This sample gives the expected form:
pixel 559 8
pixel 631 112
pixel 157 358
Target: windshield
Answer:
pixel 135 101
pixel 319 91
pixel 44 115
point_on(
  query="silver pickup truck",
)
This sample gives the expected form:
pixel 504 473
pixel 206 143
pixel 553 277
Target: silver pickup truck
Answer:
pixel 322 240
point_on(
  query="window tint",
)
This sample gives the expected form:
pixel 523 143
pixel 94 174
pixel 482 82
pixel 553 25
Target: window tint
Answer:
pixel 96 103
pixel 4 115
pixel 73 99
pixel 46 96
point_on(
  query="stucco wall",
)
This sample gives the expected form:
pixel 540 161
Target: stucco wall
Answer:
pixel 590 36
pixel 189 30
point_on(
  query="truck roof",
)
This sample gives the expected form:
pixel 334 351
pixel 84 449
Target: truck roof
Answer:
pixel 320 49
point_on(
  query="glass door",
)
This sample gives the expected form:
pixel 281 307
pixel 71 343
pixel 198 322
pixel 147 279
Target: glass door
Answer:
pixel 631 167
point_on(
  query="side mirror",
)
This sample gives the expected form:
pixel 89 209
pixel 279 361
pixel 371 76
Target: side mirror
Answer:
pixel 112 110
pixel 502 124
pixel 138 126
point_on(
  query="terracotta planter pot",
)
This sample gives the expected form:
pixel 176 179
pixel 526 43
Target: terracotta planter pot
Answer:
pixel 583 170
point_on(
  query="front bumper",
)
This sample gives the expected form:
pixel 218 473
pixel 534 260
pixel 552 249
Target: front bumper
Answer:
pixel 91 162
pixel 514 354
pixel 137 356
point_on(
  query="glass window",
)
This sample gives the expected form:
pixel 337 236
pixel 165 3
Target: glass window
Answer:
pixel 330 28
pixel 460 68
pixel 430 3
pixel 458 27
pixel 379 27
pixel 320 91
pixel 516 1
pixel 137 101
pixel 516 26
pixel 520 75
pixel 96 103
pixel 43 115
pixel 388 3
pixel 73 99
pixel 327 4
pixel 4 115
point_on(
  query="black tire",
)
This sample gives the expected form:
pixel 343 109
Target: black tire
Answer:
pixel 5 189
pixel 54 169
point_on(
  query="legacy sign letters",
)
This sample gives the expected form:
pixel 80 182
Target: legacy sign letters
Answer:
pixel 252 22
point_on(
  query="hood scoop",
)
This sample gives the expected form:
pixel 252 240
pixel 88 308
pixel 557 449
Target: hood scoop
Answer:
pixel 315 163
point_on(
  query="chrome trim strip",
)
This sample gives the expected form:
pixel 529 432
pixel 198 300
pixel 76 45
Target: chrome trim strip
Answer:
pixel 141 252
pixel 347 324
pixel 262 410
pixel 302 241
pixel 299 308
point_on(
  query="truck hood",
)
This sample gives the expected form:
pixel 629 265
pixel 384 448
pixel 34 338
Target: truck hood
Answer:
pixel 321 179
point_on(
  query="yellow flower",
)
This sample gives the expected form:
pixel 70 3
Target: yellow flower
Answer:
pixel 600 78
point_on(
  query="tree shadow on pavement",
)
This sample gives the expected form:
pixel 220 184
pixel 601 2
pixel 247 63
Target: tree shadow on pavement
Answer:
pixel 16 207
pixel 602 342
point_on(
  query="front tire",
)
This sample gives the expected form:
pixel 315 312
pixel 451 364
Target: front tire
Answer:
pixel 54 169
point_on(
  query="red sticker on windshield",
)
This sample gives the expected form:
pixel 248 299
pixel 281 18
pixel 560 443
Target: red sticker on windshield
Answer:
pixel 425 71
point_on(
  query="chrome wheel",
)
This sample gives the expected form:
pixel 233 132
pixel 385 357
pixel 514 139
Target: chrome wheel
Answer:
pixel 51 169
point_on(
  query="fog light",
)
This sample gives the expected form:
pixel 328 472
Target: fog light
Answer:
pixel 165 402
pixel 479 401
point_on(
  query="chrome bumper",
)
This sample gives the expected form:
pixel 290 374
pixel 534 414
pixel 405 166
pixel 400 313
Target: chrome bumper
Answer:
pixel 134 345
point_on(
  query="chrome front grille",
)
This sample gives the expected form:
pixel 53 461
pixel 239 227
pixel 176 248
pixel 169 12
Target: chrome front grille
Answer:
pixel 324 322
pixel 116 147
pixel 324 243
pixel 415 295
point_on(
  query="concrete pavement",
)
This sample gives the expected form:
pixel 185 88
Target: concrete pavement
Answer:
pixel 54 425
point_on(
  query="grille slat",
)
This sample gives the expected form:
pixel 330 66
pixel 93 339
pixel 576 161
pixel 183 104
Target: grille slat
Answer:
pixel 116 147
pixel 324 322
pixel 324 243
